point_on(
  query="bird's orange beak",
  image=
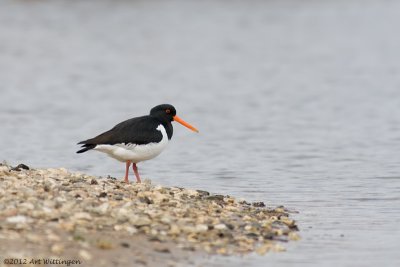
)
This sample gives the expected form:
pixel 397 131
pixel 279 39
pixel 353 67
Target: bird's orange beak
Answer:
pixel 184 123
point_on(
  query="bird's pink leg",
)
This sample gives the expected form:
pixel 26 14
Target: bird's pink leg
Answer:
pixel 128 163
pixel 135 170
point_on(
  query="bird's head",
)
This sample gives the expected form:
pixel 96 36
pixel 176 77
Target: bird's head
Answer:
pixel 168 112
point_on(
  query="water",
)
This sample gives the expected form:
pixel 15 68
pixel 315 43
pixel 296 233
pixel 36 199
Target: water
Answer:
pixel 297 103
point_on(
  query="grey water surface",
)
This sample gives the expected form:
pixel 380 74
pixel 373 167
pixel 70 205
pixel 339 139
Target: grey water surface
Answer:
pixel 297 102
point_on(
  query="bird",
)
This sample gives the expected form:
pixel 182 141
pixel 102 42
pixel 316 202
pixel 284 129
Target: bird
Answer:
pixel 137 139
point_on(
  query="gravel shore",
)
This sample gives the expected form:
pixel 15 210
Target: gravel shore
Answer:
pixel 57 215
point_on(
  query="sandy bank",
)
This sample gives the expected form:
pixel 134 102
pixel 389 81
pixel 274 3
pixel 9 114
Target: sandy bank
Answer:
pixel 53 213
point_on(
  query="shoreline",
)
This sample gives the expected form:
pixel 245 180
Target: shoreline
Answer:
pixel 56 214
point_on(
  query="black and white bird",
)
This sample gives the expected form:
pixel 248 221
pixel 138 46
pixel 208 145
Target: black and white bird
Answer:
pixel 137 139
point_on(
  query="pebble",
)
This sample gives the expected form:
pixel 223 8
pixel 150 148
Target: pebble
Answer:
pixel 162 249
pixel 57 249
pixel 82 216
pixel 4 168
pixel 278 248
pixel 131 230
pixel 33 238
pixel 294 236
pixel 201 228
pixel 85 255
pixel 28 206
pixel 101 209
pixel 220 226
pixel 104 244
pixel 17 219
pixel 261 250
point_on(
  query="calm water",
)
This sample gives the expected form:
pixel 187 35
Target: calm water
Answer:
pixel 297 102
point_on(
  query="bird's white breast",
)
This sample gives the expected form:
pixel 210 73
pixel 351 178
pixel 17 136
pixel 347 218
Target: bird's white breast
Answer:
pixel 134 152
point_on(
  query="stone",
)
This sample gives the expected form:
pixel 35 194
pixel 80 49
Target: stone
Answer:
pixel 57 249
pixel 220 226
pixel 201 228
pixel 85 255
pixel 17 219
pixel 82 216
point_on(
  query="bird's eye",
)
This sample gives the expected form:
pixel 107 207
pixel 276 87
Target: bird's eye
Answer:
pixel 168 111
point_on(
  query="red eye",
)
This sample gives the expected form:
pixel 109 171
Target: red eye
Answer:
pixel 168 111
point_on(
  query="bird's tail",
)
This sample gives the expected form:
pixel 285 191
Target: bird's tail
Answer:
pixel 85 147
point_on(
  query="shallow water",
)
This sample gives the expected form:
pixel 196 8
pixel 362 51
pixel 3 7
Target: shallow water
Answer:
pixel 297 103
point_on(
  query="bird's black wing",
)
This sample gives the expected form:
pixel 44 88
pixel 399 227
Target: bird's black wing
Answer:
pixel 140 130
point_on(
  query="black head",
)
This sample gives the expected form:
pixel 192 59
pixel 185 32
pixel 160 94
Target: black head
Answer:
pixel 165 111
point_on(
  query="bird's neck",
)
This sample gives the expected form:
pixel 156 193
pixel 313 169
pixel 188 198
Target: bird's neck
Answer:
pixel 167 125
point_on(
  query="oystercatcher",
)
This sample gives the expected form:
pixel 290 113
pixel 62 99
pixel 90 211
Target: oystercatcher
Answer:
pixel 137 139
